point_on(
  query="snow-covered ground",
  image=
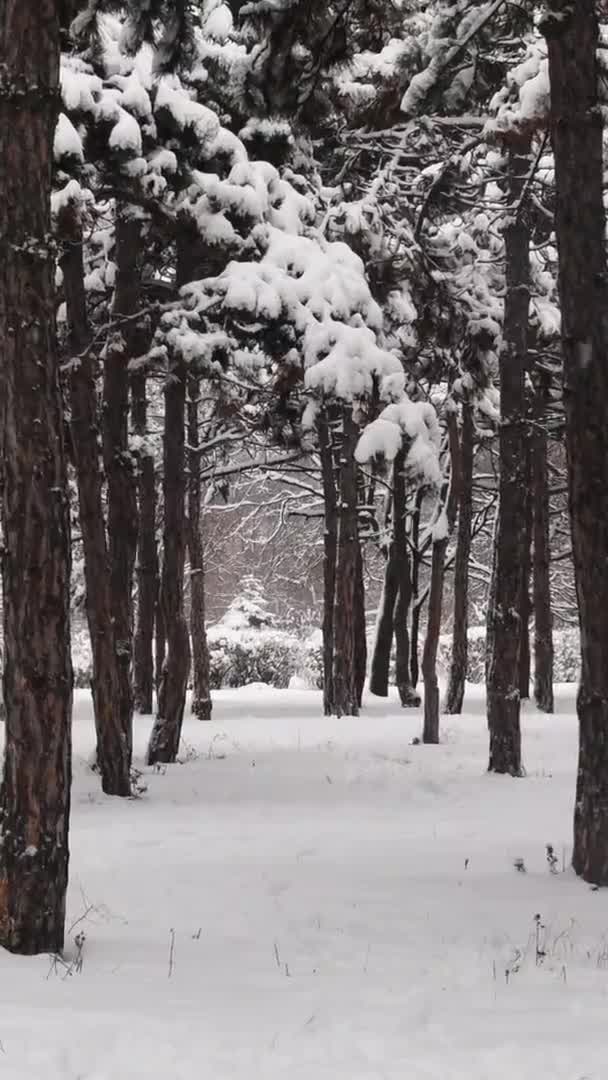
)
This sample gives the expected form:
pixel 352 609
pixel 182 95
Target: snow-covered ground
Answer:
pixel 313 898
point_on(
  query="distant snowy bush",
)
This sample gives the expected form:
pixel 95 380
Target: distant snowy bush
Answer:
pixel 274 657
pixel 565 644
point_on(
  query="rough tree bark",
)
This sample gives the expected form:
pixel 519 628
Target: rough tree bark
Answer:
pixel 121 489
pixel 525 605
pixel 460 641
pixel 166 733
pixel 201 688
pixel 407 693
pixel 383 641
pixel 112 761
pixel 330 554
pixel 360 626
pixel 147 553
pixel 415 584
pixel 577 132
pixel 345 673
pixel 503 630
pixel 35 800
pixel 543 616
pixel 430 733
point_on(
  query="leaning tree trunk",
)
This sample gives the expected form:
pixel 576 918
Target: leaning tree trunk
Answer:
pixel 121 490
pixel 201 677
pixel 383 640
pixel 112 761
pixel 147 554
pixel 577 133
pixel 460 640
pixel 503 629
pixel 525 606
pixel 330 554
pixel 346 700
pixel 444 527
pixel 543 616
pixel 35 801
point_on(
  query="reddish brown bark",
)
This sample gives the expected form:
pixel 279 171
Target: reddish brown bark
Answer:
pixel 460 644
pixel 577 136
pixel 119 464
pixel 166 733
pixel 330 542
pixel 113 760
pixel 201 679
pixel 543 616
pixel 346 700
pixel 147 554
pixel 35 801
pixel 503 627
pixel 449 504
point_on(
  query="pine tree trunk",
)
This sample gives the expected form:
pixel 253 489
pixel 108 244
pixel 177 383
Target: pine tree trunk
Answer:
pixel 201 688
pixel 525 606
pixel 385 623
pixel 360 627
pixel 415 584
pixel 577 133
pixel 450 500
pixel 543 616
pixel 121 489
pixel 330 541
pixel 147 554
pixel 503 701
pixel 160 638
pixel 407 693
pixel 35 799
pixel 345 674
pixel 383 641
pixel 166 733
pixel 112 761
pixel 460 642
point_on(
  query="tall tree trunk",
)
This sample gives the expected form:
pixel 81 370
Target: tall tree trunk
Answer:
pixel 543 616
pixel 383 640
pixel 35 799
pixel 460 641
pixel 525 606
pixel 112 760
pixel 416 603
pixel 330 555
pixel 577 133
pixel 345 675
pixel 503 701
pixel 201 689
pixel 166 733
pixel 160 638
pixel 407 694
pixel 441 540
pixel 360 627
pixel 147 554
pixel 122 503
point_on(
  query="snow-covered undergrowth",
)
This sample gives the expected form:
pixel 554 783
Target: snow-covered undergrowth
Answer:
pixel 321 900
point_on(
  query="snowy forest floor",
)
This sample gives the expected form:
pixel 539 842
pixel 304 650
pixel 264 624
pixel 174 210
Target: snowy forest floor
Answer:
pixel 319 899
